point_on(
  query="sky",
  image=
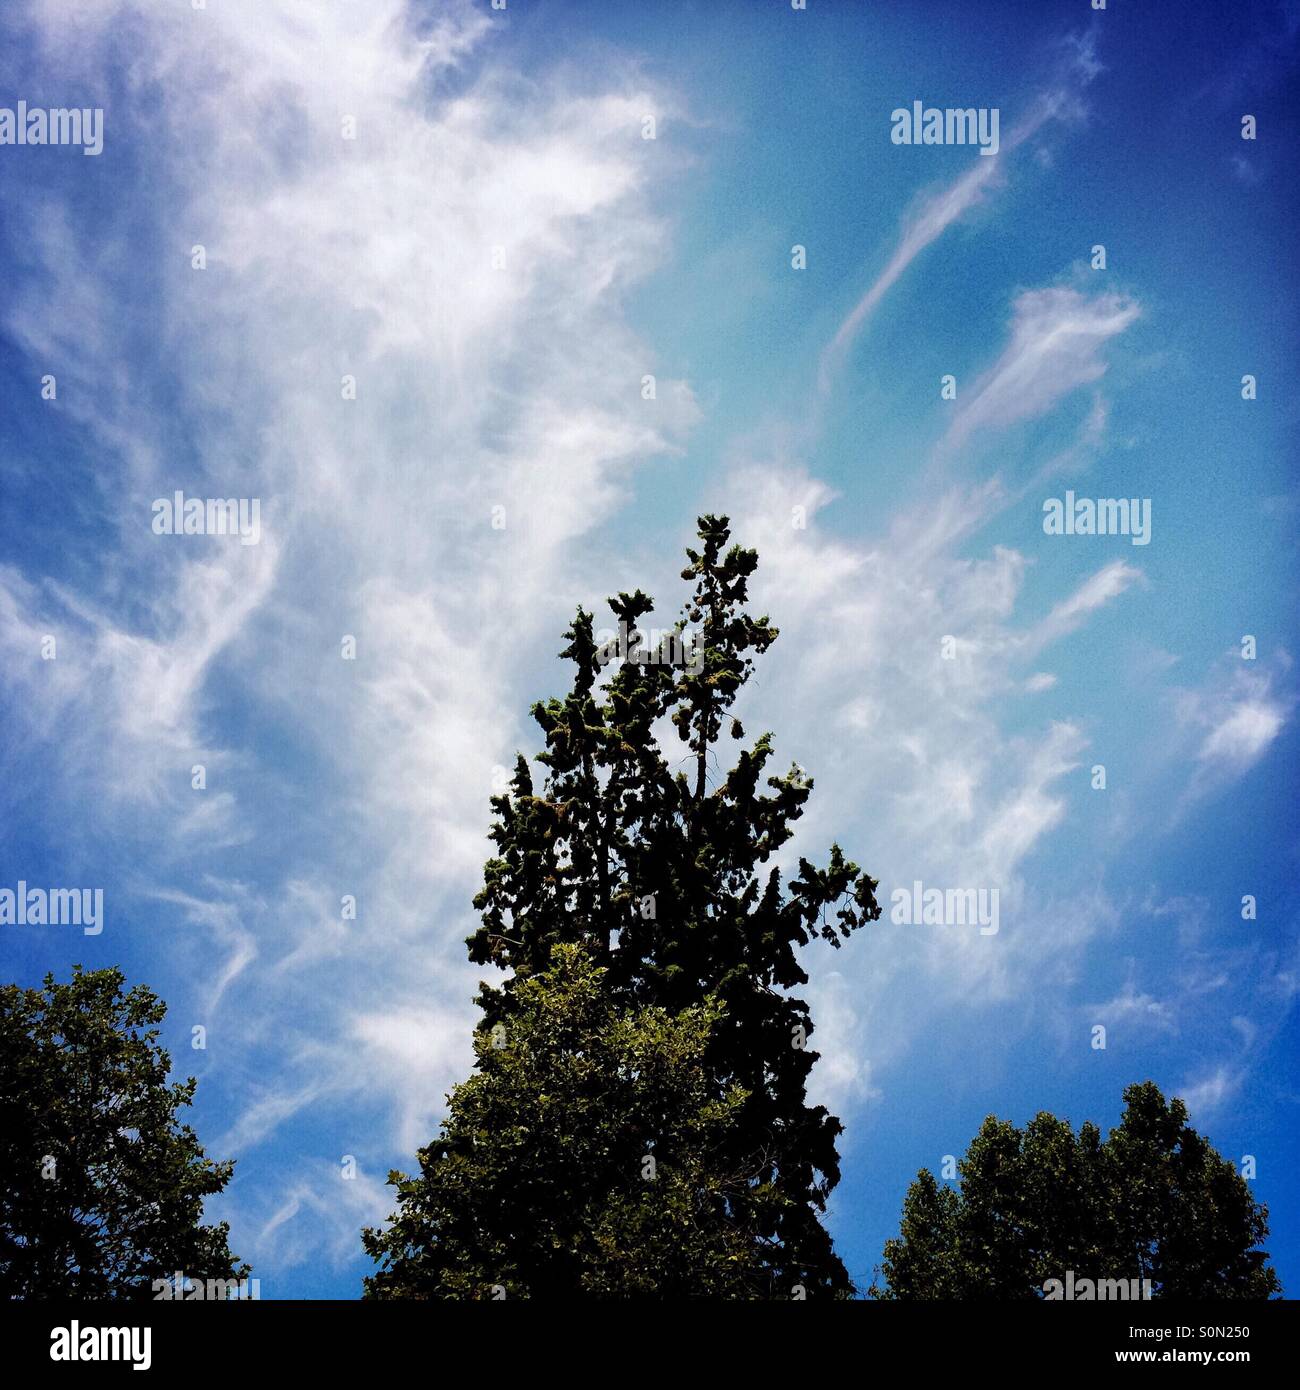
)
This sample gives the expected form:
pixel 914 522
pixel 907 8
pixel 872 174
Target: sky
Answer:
pixel 397 269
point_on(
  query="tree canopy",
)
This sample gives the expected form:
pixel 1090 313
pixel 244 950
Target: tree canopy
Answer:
pixel 101 1186
pixel 579 1160
pixel 1152 1201
pixel 663 874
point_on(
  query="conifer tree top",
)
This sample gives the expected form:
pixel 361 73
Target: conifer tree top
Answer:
pixel 666 871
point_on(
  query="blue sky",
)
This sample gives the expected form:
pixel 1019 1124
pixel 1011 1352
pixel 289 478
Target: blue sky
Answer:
pixel 519 385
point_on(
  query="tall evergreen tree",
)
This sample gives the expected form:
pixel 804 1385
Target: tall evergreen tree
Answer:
pixel 101 1186
pixel 665 875
pixel 1153 1201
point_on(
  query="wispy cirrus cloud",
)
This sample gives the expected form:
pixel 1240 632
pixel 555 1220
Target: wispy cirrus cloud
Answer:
pixel 1231 721
pixel 1208 1091
pixel 1245 730
pixel 463 262
pixel 1075 65
pixel 1054 348
pixel 1072 611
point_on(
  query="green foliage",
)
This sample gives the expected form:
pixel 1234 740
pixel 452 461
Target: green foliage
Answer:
pixel 578 1160
pixel 1153 1201
pixel 663 874
pixel 102 1188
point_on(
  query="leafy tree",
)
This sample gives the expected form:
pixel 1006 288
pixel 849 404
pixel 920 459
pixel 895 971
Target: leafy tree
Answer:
pixel 579 1160
pixel 1153 1201
pixel 663 873
pixel 101 1188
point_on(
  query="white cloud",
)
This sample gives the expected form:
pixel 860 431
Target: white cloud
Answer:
pixel 1133 1007
pixel 935 215
pixel 221 917
pixel 914 774
pixel 1231 721
pixel 1207 1093
pixel 319 1216
pixel 1095 592
pixel 955 801
pixel 1060 100
pixel 1056 338
pixel 1244 733
pixel 416 1055
pixel 466 259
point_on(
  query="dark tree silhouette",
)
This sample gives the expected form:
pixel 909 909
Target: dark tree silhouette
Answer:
pixel 101 1187
pixel 1153 1201
pixel 664 876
